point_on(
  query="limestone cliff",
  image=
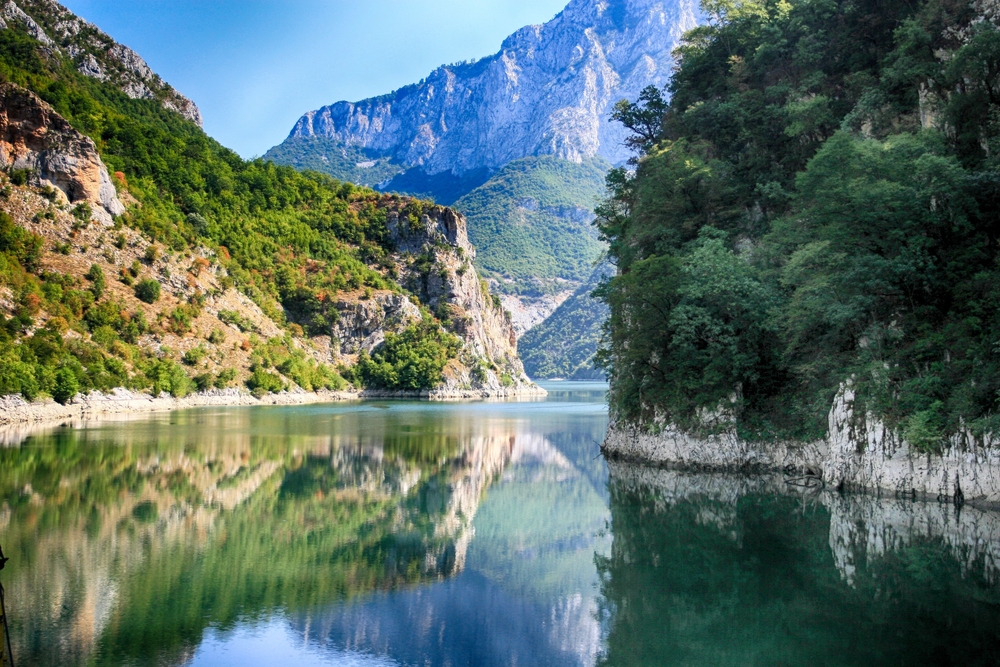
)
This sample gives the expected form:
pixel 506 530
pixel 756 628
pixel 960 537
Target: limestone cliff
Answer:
pixel 433 260
pixel 859 452
pixel 92 52
pixel 548 91
pixel 36 138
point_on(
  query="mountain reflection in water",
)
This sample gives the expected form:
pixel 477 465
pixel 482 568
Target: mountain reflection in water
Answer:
pixel 403 533
pixel 155 539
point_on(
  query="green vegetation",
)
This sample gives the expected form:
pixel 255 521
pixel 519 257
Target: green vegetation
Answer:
pixel 564 345
pixel 334 158
pixel 147 291
pixel 288 240
pixel 817 205
pixel 530 222
pixel 411 359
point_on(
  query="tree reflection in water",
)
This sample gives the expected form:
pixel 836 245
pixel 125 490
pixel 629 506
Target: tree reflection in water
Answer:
pixel 141 534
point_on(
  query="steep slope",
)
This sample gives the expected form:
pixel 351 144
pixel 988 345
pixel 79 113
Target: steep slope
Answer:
pixel 548 91
pixel 192 268
pixel 531 223
pixel 564 345
pixel 93 53
pixel 808 247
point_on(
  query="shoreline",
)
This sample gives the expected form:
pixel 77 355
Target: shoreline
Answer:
pixel 14 410
pixel 859 454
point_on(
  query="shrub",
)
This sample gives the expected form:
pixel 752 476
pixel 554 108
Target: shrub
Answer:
pixel 166 375
pixel 66 386
pixel 225 378
pixel 234 318
pixel 148 290
pixel 16 241
pixel 263 382
pixel 194 356
pixel 83 212
pixel 98 283
pixel 413 359
pixel 204 381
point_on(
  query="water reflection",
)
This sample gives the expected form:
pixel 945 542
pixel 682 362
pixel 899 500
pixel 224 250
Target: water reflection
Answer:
pixel 403 533
pixel 167 539
pixel 723 570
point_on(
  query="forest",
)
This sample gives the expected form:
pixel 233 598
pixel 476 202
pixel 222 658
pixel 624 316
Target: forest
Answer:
pixel 289 240
pixel 815 208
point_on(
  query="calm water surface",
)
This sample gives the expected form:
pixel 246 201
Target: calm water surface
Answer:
pixel 489 533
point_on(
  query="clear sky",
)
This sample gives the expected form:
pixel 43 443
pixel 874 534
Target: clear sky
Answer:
pixel 254 66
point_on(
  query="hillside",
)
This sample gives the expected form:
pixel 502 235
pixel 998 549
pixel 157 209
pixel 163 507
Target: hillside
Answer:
pixel 564 345
pixel 817 209
pixel 531 225
pixel 138 252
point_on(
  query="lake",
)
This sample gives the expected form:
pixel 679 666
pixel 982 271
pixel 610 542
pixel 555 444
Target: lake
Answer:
pixel 473 533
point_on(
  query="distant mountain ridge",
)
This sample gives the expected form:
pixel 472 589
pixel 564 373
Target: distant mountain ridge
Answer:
pixel 548 91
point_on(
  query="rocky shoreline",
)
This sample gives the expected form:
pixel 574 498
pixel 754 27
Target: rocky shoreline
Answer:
pixel 859 453
pixel 16 410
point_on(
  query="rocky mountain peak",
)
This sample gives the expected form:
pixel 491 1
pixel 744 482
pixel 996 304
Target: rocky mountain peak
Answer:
pixel 94 53
pixel 548 91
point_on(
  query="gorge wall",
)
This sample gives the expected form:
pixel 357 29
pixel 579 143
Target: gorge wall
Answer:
pixel 859 453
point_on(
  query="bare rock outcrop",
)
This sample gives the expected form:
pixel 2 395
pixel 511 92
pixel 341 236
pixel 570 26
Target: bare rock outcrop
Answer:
pixel 33 136
pixel 94 53
pixel 449 285
pixel 548 91
pixel 860 452
pixel 433 260
pixel 363 323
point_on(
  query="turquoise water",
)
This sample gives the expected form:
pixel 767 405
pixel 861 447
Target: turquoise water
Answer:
pixel 475 533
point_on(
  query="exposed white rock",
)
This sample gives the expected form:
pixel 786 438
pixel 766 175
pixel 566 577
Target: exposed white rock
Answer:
pixel 90 67
pixel 549 91
pixel 13 13
pixel 102 57
pixel 859 452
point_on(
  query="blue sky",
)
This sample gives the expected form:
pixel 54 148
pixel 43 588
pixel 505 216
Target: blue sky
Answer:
pixel 255 66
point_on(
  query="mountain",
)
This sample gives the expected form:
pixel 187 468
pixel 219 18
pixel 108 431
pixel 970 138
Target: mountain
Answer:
pixel 548 91
pixel 518 141
pixel 138 253
pixel 531 225
pixel 85 48
pixel 563 346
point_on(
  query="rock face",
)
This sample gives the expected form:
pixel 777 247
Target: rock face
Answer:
pixel 433 259
pixel 859 452
pixel 93 52
pixel 547 92
pixel 33 136
pixel 452 289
